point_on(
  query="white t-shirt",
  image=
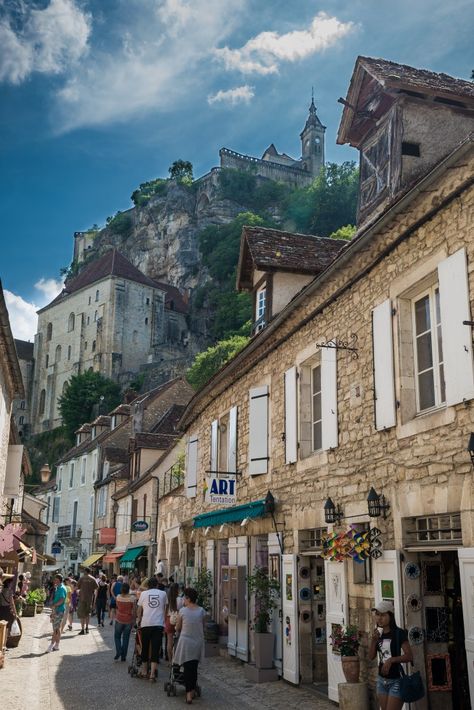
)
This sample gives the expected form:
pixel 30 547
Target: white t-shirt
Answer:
pixel 153 603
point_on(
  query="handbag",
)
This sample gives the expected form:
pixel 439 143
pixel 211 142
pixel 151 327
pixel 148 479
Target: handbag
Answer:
pixel 15 629
pixel 173 618
pixel 411 687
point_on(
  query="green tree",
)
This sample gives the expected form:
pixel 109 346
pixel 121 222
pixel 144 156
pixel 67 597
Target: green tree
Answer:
pixel 207 363
pixel 82 398
pixel 182 171
pixel 346 232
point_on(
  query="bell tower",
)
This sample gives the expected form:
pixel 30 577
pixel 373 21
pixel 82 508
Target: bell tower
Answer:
pixel 312 142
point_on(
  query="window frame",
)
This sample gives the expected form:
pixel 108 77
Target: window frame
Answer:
pixel 71 475
pixel 314 448
pixel 435 339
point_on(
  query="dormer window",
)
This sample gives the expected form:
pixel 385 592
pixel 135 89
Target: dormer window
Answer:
pixel 374 166
pixel 260 303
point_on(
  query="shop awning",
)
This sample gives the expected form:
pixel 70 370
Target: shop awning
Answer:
pixel 112 557
pixel 129 557
pixel 236 514
pixel 92 559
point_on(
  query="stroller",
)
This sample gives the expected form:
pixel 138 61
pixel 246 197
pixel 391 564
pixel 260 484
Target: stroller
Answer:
pixel 177 677
pixel 135 666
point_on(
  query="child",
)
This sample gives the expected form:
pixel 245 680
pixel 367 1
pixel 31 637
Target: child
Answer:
pixel 72 603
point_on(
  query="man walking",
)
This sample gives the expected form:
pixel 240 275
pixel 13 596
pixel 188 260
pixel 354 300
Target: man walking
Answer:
pixel 58 607
pixel 87 587
pixel 151 617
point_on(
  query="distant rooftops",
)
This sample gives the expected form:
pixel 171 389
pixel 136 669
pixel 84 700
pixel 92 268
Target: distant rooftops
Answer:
pixel 273 250
pixel 24 349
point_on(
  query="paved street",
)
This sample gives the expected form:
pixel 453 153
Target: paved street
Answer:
pixel 83 674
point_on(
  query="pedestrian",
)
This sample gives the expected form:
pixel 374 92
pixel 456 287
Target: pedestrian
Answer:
pixel 173 605
pixel 101 599
pixel 160 568
pixel 7 602
pixel 151 617
pixel 190 647
pixel 87 587
pixel 115 588
pixel 390 644
pixel 72 603
pixel 58 607
pixel 67 584
pixel 125 619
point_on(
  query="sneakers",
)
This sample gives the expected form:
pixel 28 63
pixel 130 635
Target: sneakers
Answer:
pixel 55 647
pixel 117 656
pixel 69 627
pixel 50 648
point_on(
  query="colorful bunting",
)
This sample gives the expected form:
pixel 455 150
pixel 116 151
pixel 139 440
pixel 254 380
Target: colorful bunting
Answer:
pixel 352 544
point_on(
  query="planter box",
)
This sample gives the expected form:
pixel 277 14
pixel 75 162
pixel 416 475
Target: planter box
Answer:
pixel 39 608
pixel 263 645
pixel 29 610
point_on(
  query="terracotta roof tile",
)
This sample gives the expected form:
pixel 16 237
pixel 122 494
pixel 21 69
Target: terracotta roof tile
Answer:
pixel 146 440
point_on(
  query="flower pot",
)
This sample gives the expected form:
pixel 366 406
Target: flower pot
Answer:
pixel 29 610
pixel 351 668
pixel 39 608
pixel 263 645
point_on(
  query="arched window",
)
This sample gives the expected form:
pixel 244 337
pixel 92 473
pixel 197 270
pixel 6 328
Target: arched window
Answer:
pixel 49 331
pixel 65 384
pixel 58 354
pixel 95 315
pixel 42 401
pixel 21 420
pixel 96 295
pixel 69 351
pixel 22 404
pixel 93 346
pixel 71 322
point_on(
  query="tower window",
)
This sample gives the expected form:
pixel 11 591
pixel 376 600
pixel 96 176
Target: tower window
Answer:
pixel 412 149
pixel 47 361
pixel 49 331
pixel 146 321
pixel 97 295
pixel 69 350
pixel 71 322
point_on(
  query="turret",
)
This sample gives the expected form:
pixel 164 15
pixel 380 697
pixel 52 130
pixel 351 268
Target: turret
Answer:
pixel 312 142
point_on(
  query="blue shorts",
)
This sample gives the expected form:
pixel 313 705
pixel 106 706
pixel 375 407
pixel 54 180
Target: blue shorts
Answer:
pixel 389 687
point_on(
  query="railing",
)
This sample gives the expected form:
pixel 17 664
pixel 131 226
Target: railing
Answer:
pixel 68 531
pixel 171 479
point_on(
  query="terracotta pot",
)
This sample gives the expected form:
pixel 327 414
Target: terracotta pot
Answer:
pixel 263 645
pixel 351 668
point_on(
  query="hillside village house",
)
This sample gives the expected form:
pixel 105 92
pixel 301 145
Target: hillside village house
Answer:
pixel 351 409
pixel 111 319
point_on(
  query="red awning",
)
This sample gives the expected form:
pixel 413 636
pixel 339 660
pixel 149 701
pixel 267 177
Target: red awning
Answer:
pixel 112 556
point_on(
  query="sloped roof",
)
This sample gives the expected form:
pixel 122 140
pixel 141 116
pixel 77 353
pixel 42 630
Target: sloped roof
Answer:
pixel 121 409
pixel 112 263
pixel 145 440
pixel 174 300
pixel 375 84
pixel 24 349
pixel 114 454
pixel 168 424
pixel 273 250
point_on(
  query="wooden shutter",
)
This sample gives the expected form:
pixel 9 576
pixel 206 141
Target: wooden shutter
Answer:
pixel 384 381
pixel 214 444
pixel 258 430
pixel 457 338
pixel 191 468
pixel 329 397
pixel 232 443
pixel 291 416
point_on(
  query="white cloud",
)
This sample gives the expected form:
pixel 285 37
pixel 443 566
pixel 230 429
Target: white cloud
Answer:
pixel 241 94
pixel 50 40
pixel 264 53
pixel 23 318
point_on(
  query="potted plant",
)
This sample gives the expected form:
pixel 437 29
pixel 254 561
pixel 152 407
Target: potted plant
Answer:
pixel 345 641
pixel 41 595
pixel 33 598
pixel 203 586
pixel 266 591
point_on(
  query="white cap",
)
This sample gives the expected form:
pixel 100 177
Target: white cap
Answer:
pixel 384 607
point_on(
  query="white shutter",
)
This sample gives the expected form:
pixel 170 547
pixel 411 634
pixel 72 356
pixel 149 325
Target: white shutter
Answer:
pixel 258 430
pixel 289 607
pixel 291 416
pixel 457 338
pixel 214 444
pixel 191 468
pixel 382 338
pixel 11 486
pixel 232 448
pixel 329 397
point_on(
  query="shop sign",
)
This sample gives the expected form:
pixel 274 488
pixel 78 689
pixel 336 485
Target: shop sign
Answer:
pixel 107 536
pixel 56 548
pixel 139 526
pixel 221 491
pixel 73 556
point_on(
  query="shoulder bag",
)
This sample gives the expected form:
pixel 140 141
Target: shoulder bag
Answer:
pixel 411 686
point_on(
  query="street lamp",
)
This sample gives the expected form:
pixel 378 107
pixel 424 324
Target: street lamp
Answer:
pixel 331 513
pixel 45 473
pixel 376 504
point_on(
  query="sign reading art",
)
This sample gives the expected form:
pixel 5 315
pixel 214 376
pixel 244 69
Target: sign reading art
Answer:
pixel 352 544
pixel 221 491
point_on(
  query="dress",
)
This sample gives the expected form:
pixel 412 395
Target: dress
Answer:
pixel 190 646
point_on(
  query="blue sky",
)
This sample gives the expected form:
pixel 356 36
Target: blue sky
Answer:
pixel 97 96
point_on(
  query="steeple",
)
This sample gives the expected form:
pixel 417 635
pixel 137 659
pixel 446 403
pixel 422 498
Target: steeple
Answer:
pixel 312 141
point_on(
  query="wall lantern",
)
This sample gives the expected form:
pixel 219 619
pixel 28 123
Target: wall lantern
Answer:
pixel 269 503
pixel 376 504
pixel 331 513
pixel 470 447
pixel 45 473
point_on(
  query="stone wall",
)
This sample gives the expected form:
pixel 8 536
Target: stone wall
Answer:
pixel 292 175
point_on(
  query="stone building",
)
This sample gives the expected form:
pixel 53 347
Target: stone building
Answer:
pixel 111 319
pixel 350 413
pixel 280 166
pixel 21 407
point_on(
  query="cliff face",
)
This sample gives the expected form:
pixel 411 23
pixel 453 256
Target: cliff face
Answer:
pixel 162 240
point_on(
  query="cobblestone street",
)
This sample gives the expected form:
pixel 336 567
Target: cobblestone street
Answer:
pixel 83 675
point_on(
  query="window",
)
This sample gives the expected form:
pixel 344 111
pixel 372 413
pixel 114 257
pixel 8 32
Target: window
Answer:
pixel 46 362
pixel 428 350
pixel 55 516
pixel 102 503
pixel 146 321
pixel 47 510
pixel 85 345
pixel 93 346
pixel 95 315
pixel 71 322
pixel 42 401
pixel 90 299
pixel 224 442
pixel 412 149
pixel 60 476
pixel 316 415
pixel 49 331
pixel 69 352
pixel 91 509
pixel 97 295
pixel 21 420
pixel 58 354
pixel 144 506
pixel 147 301
pixel 88 320
pixel 83 470
pixel 71 475
pixel 22 404
pixel 374 166
pixel 94 466
pixel 260 304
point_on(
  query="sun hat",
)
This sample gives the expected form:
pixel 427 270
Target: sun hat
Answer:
pixel 384 607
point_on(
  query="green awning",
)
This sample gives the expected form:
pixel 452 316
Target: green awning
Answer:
pixel 129 557
pixel 236 514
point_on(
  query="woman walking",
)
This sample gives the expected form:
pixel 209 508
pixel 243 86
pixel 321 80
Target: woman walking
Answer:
pixel 174 604
pixel 101 599
pixel 390 644
pixel 124 621
pixel 114 590
pixel 73 602
pixel 7 602
pixel 190 648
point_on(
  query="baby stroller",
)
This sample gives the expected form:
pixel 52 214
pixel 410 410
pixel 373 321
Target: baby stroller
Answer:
pixel 177 677
pixel 135 666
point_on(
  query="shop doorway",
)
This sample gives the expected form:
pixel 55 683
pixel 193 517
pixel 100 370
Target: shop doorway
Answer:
pixel 312 622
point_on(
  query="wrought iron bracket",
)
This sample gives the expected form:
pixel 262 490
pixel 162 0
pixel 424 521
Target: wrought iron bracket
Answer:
pixel 339 344
pixel 224 473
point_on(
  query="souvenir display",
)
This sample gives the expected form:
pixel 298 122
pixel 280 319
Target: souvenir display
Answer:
pixel 439 672
pixel 433 578
pixel 437 624
pixel 412 570
pixel 305 594
pixel 413 602
pixel 416 635
pixel 352 544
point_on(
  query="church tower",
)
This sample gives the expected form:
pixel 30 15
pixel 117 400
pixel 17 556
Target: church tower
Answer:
pixel 312 142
